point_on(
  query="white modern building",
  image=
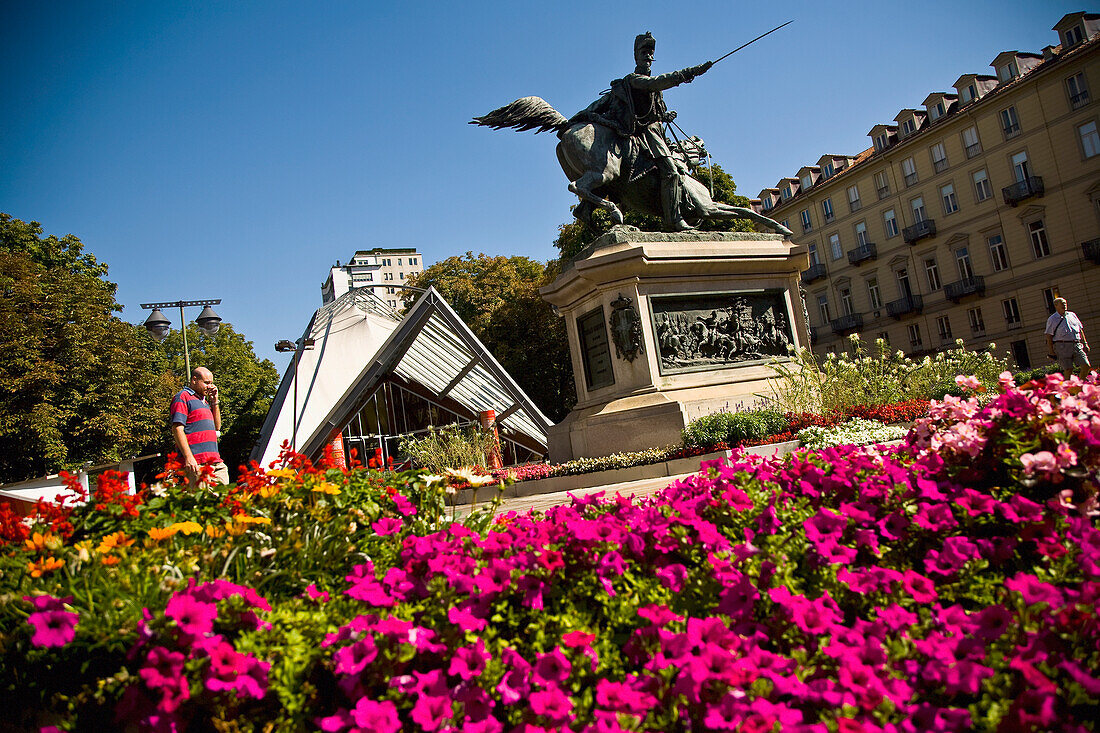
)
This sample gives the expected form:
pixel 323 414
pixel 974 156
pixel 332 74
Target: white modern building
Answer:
pixel 383 270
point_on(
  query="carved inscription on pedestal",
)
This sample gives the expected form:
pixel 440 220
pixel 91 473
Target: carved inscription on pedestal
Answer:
pixel 718 330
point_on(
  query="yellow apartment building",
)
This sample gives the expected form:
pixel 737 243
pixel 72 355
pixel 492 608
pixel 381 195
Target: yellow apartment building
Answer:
pixel 967 216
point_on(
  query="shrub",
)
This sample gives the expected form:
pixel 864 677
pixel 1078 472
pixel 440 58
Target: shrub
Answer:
pixel 733 428
pixel 450 446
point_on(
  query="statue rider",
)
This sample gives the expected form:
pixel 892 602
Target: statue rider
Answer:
pixel 635 108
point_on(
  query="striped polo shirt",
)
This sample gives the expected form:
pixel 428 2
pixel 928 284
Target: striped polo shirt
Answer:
pixel 192 412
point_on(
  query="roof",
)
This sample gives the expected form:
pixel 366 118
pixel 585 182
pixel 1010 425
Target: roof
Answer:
pixel 361 343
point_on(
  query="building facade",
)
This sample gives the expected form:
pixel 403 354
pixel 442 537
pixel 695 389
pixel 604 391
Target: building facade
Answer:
pixel 966 217
pixel 383 270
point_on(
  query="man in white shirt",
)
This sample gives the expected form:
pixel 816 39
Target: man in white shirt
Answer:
pixel 1066 340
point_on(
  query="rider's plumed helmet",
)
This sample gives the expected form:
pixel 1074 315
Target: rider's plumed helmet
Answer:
pixel 643 43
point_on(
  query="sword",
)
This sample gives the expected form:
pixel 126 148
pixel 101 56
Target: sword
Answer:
pixel 773 30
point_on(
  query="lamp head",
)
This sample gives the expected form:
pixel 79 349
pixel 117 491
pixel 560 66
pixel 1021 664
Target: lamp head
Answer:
pixel 208 321
pixel 157 325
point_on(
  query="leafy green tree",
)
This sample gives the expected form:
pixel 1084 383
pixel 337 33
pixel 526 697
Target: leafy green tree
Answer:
pixel 575 236
pixel 498 299
pixel 246 385
pixel 79 383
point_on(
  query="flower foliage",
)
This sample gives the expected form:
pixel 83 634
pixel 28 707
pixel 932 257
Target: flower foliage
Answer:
pixel 948 584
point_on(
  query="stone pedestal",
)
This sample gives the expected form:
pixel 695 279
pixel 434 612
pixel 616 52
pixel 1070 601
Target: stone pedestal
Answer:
pixel 666 327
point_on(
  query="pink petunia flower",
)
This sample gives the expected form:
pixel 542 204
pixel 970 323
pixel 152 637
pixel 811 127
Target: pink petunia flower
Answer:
pixel 52 628
pixel 378 717
pixel 551 668
pixel 387 526
pixel 193 617
pixel 469 661
pixel 431 711
pixel 551 703
pixel 162 667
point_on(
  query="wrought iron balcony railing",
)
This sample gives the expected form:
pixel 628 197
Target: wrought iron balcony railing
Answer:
pixel 973 285
pixel 847 324
pixel 919 231
pixel 814 272
pixel 1021 190
pixel 862 253
pixel 905 306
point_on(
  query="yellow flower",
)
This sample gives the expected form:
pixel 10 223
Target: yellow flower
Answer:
pixel 287 473
pixel 162 533
pixel 326 487
pixel 269 491
pixel 213 531
pixel 43 566
pixel 186 527
pixel 39 541
pixel 234 529
pixel 113 540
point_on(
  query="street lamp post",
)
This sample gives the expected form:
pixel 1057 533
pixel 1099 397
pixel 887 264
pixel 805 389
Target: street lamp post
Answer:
pixel 157 325
pixel 302 344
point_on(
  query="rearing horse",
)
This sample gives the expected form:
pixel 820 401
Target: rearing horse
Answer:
pixel 592 156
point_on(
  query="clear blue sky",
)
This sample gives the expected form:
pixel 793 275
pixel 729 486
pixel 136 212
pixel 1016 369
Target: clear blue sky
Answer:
pixel 238 149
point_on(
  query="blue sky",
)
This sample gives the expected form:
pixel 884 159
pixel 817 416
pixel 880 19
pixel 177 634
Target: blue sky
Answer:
pixel 238 149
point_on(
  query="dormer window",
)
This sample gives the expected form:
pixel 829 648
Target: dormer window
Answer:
pixel 807 181
pixel 827 170
pixel 786 192
pixel 937 111
pixel 1008 72
pixel 768 203
pixel 882 141
pixel 968 94
pixel 1073 36
pixel 908 127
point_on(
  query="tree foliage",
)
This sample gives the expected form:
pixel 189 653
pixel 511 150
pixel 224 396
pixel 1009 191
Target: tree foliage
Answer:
pixel 576 235
pixel 79 383
pixel 498 299
pixel 246 385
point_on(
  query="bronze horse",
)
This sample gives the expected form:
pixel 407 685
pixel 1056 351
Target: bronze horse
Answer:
pixel 592 156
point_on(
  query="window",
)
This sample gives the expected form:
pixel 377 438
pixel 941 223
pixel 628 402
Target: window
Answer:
pixel 982 188
pixel 412 260
pixel 939 157
pixel 861 234
pixel 786 193
pixel 786 223
pixel 807 225
pixel 1048 297
pixel 1020 355
pixel 937 111
pixel 834 246
pixel 903 283
pixel 919 213
pixel 827 170
pixel 998 254
pixel 909 171
pixel 885 336
pixel 823 308
pixel 882 185
pixel 1078 91
pixel 950 201
pixel 943 325
pixel 807 181
pixel 971 141
pixel 398 260
pixel 968 94
pixel 846 300
pixel 873 295
pixel 914 335
pixel 1090 141
pixel 1010 123
pixel 962 261
pixel 933 273
pixel 1012 313
pixel 1073 35
pixel 814 259
pixel 1020 167
pixel 882 141
pixel 1008 71
pixel 827 210
pixel 977 325
pixel 909 126
pixel 1039 244
pixel 768 203
pixel 890 223
pixel 853 197
pixel 401 275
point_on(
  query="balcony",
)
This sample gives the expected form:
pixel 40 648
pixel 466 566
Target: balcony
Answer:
pixel 911 179
pixel 973 285
pixel 973 149
pixel 920 230
pixel 847 324
pixel 1021 190
pixel 1080 99
pixel 815 272
pixel 905 306
pixel 862 253
pixel 883 192
pixel 1091 250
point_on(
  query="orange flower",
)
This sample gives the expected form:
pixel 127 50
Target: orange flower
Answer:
pixel 113 540
pixel 326 487
pixel 43 566
pixel 162 533
pixel 187 527
pixel 109 560
pixel 213 531
pixel 39 542
pixel 245 519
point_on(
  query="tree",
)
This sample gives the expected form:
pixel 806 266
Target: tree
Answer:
pixel 79 384
pixel 498 299
pixel 246 385
pixel 576 235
